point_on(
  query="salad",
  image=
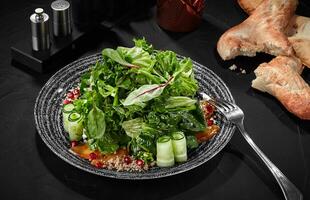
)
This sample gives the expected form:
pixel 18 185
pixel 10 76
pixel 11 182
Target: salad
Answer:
pixel 136 108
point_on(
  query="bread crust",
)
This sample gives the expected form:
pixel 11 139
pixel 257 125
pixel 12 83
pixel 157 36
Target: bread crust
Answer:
pixel 263 31
pixel 281 78
pixel 249 5
pixel 300 39
pixel 298 31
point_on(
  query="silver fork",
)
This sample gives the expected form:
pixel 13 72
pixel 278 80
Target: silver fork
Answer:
pixel 235 115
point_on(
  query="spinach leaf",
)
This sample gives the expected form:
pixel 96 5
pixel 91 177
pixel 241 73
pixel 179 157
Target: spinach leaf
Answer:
pixel 147 143
pixel 183 86
pixel 190 123
pixel 180 103
pixel 107 145
pixel 114 55
pixel 133 127
pixel 96 124
pixel 136 56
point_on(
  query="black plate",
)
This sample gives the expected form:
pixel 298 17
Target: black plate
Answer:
pixel 48 119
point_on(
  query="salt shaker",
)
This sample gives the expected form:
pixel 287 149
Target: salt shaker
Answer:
pixel 40 30
pixel 61 18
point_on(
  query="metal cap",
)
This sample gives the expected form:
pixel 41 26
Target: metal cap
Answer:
pixel 40 30
pixel 61 18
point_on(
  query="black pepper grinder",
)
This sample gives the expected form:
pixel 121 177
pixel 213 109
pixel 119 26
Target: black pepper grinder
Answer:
pixel 61 18
pixel 40 30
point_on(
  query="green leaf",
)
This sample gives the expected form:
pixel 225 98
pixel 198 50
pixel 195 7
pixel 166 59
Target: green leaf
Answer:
pixel 147 143
pixel 106 145
pixel 96 124
pixel 133 127
pixel 144 45
pixel 191 142
pixel 144 94
pixel 180 103
pixel 166 62
pixel 147 157
pixel 106 90
pixel 190 123
pixel 114 55
pixel 136 56
pixel 183 86
pixel 184 67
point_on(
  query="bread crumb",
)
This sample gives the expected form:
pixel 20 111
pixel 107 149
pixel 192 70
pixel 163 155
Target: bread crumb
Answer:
pixel 233 67
pixel 243 72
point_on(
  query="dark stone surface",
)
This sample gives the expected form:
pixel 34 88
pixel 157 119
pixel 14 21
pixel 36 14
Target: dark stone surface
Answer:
pixel 29 170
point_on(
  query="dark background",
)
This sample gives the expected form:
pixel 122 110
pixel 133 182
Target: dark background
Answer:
pixel 29 170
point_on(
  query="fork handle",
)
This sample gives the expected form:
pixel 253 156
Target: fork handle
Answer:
pixel 288 188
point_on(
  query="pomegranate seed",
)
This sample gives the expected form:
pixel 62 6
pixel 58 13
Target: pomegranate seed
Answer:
pixel 76 92
pixel 67 101
pixel 209 108
pixel 210 122
pixel 127 160
pixel 92 156
pixel 74 143
pixel 140 162
pixel 99 164
pixel 70 95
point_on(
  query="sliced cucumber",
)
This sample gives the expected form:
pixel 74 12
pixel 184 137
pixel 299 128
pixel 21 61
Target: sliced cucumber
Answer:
pixel 74 123
pixel 179 146
pixel 67 109
pixel 165 156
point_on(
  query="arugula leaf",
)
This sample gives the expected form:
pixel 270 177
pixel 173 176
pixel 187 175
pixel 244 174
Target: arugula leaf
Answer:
pixel 96 123
pixel 133 127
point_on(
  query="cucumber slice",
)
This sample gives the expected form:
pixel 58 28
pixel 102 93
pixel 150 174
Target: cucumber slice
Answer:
pixel 75 126
pixel 74 117
pixel 165 156
pixel 179 146
pixel 67 109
